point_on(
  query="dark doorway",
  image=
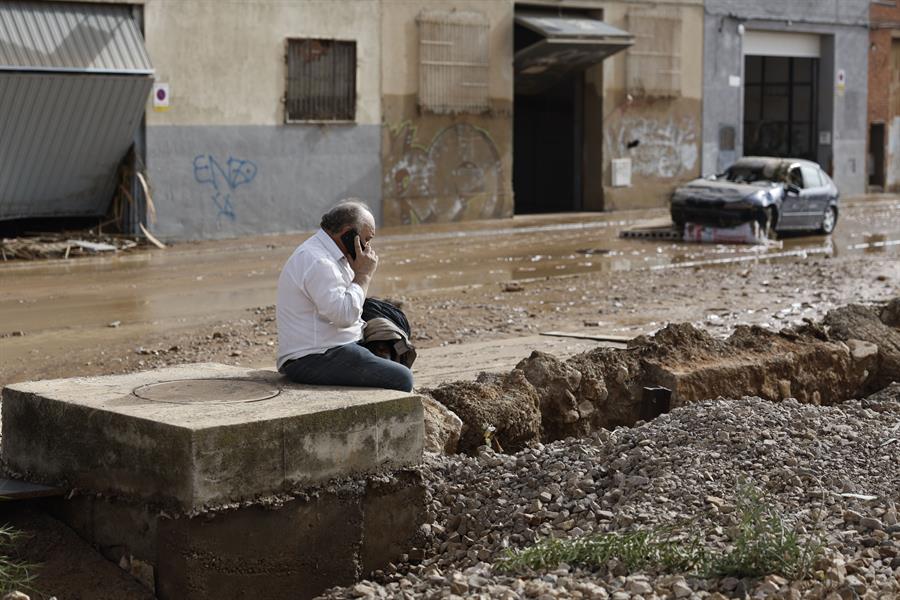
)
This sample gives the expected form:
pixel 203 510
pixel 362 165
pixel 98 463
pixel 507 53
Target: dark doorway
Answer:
pixel 876 155
pixel 780 106
pixel 547 148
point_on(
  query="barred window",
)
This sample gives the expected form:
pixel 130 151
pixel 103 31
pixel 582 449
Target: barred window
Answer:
pixel 453 62
pixel 653 63
pixel 321 80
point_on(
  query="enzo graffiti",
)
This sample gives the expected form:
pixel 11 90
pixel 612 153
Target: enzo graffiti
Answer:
pixel 457 176
pixel 223 180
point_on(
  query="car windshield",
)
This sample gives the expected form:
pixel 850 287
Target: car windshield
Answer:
pixel 751 173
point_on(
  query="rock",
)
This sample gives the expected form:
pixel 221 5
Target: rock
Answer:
pixel 638 587
pixel 863 323
pixel 864 356
pixel 16 596
pixel 766 589
pixel 680 589
pixel 507 403
pixel 890 314
pixel 442 427
pixel 556 384
pixel 871 524
pixel 856 584
pixel 851 516
pixel 361 590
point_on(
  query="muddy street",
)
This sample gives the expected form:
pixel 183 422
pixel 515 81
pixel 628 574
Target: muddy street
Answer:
pixel 459 283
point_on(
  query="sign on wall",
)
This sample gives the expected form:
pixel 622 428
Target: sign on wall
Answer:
pixel 160 97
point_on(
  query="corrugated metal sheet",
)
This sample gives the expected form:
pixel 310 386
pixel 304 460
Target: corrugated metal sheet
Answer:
pixel 61 141
pixel 59 37
pixel 74 81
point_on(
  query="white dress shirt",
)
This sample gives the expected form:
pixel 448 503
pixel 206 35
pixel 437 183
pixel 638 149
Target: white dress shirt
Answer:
pixel 319 307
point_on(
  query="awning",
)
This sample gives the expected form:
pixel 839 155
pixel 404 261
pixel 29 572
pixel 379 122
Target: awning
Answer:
pixel 74 81
pixel 562 45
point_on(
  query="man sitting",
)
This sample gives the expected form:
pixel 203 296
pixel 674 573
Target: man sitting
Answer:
pixel 321 292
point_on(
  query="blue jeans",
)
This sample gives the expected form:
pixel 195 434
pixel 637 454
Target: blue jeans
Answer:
pixel 350 364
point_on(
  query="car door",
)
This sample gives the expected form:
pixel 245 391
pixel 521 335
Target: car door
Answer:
pixel 792 207
pixel 817 196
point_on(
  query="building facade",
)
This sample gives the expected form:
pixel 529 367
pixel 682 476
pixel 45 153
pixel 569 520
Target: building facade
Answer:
pixel 264 113
pixel 787 78
pixel 884 98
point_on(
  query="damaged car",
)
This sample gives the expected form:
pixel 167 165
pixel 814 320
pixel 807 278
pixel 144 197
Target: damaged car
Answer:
pixel 781 194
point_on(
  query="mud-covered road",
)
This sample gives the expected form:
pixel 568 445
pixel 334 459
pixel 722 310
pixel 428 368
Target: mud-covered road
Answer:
pixel 458 283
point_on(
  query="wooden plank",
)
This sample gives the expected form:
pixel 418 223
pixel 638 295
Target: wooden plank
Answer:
pixel 12 489
pixel 600 337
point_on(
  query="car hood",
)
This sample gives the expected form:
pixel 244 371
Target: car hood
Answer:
pixel 721 191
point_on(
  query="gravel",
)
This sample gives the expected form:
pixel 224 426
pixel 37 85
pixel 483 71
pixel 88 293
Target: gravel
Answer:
pixel 833 472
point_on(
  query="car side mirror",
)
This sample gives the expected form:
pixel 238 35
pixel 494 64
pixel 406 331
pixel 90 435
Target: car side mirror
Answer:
pixel 792 189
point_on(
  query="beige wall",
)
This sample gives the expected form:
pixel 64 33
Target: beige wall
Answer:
pixel 444 167
pixel 224 61
pixel 401 43
pixel 669 129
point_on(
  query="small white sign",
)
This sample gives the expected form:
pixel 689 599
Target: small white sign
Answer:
pixel 734 80
pixel 824 138
pixel 160 97
pixel 621 172
pixel 841 82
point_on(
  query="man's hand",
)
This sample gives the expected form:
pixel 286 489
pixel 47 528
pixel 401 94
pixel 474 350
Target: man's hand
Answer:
pixel 363 265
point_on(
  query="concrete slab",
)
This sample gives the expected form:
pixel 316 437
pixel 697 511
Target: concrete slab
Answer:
pixel 212 434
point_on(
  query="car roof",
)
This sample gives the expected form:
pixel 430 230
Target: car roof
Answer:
pixel 763 161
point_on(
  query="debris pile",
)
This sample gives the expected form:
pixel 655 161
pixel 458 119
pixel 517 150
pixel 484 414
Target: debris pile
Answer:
pixel 831 472
pixel 851 353
pixel 62 246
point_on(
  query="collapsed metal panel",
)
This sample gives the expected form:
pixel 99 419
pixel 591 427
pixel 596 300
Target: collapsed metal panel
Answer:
pixel 74 80
pixel 61 37
pixel 62 139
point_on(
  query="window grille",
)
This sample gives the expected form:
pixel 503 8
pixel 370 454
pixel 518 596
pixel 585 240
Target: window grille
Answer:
pixel 321 81
pixel 653 63
pixel 454 57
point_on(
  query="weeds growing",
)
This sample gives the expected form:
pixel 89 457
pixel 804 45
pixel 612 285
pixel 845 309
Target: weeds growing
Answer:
pixel 763 544
pixel 14 574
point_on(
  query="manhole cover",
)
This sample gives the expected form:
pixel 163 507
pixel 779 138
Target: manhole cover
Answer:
pixel 215 391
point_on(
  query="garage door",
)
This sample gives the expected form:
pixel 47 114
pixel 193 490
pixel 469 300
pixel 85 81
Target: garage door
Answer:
pixel 74 80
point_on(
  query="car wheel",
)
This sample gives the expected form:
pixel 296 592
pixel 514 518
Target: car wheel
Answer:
pixel 829 220
pixel 769 221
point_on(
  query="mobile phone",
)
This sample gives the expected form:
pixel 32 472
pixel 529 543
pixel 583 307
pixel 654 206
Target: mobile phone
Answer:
pixel 349 239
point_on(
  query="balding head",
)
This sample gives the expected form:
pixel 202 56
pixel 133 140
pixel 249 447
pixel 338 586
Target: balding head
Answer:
pixel 348 214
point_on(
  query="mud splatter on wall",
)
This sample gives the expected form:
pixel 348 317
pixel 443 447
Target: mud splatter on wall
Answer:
pixel 456 175
pixel 663 147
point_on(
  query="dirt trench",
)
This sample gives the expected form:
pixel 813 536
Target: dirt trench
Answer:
pixel 852 352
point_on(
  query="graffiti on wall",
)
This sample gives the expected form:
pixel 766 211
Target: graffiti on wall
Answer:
pixel 665 147
pixel 457 176
pixel 223 179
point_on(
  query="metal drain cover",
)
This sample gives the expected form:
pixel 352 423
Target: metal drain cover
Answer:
pixel 213 391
